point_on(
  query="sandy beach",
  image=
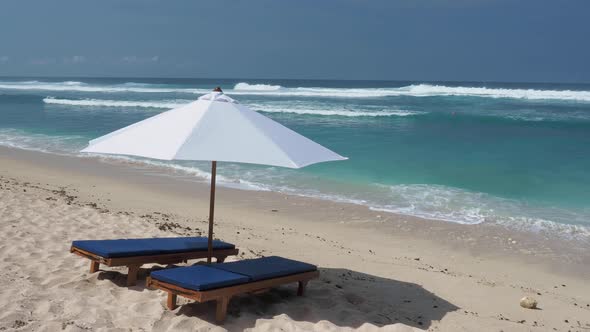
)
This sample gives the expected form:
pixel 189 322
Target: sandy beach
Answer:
pixel 378 270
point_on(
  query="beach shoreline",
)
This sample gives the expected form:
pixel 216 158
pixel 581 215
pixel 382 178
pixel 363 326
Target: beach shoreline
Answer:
pixel 480 271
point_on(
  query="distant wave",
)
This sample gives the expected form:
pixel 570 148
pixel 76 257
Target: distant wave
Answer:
pixel 243 88
pixel 84 87
pixel 256 87
pixel 73 83
pixel 418 90
pixel 331 111
pixel 115 103
pixel 312 108
pixel 421 90
pixel 268 108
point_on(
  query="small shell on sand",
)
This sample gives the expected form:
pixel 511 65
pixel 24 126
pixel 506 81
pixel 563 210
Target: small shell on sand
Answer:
pixel 528 302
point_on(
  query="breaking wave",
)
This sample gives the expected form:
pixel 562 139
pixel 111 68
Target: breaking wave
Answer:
pixel 85 87
pixel 243 88
pixel 332 111
pixel 441 90
pixel 166 104
pixel 257 87
pixel 268 108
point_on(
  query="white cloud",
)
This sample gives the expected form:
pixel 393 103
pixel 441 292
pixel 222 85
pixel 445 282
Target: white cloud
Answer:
pixel 74 59
pixel 42 61
pixel 139 59
pixel 129 58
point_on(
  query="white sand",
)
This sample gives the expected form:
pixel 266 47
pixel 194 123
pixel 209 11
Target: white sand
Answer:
pixel 415 274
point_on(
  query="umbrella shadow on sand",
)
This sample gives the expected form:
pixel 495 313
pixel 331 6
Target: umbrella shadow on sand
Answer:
pixel 343 297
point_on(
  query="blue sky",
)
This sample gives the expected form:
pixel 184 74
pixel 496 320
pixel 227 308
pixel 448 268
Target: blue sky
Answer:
pixel 480 40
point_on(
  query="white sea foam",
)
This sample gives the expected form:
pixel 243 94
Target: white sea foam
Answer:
pixel 74 83
pixel 64 145
pixel 84 87
pixel 313 108
pixel 167 104
pixel 196 171
pixel 465 207
pixel 425 201
pixel 269 108
pixel 433 202
pixel 256 87
pixel 332 111
pixel 244 88
pixel 421 90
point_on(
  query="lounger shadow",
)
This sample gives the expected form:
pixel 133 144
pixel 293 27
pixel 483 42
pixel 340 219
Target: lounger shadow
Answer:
pixel 346 298
pixel 133 253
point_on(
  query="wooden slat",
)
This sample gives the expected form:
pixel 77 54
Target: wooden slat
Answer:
pixel 88 255
pixel 134 263
pixel 172 289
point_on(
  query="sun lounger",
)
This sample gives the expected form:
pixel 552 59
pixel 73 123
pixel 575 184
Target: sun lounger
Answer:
pixel 133 253
pixel 220 282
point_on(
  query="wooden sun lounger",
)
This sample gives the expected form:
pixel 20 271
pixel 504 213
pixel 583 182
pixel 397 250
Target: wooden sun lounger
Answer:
pixel 133 253
pixel 135 262
pixel 223 294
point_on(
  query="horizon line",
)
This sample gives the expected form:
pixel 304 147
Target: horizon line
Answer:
pixel 290 79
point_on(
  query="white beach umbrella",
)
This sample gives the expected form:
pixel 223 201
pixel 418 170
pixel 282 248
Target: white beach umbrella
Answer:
pixel 214 128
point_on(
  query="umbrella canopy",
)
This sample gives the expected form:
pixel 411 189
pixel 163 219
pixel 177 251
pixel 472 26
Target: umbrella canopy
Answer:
pixel 214 128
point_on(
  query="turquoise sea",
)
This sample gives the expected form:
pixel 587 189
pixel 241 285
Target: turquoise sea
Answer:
pixel 465 152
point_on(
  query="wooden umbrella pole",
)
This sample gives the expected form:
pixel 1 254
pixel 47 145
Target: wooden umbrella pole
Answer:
pixel 211 211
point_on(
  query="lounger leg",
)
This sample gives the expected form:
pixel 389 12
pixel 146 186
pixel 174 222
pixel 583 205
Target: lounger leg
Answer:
pixel 94 265
pixel 132 275
pixel 220 259
pixel 171 302
pixel 301 288
pixel 221 309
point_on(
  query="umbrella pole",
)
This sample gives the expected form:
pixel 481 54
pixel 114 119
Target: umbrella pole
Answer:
pixel 211 211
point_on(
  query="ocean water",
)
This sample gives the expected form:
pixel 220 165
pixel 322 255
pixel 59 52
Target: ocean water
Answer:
pixel 512 154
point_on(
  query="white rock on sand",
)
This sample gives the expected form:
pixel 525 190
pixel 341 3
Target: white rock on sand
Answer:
pixel 528 302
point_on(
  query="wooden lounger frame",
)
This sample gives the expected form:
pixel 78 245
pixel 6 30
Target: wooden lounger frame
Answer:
pixel 224 294
pixel 135 262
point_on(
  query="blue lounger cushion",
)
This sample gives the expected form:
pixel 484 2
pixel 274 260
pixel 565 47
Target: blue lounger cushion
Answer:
pixel 147 247
pixel 206 277
pixel 266 267
pixel 199 277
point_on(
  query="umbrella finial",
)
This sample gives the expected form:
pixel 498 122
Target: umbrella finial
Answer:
pixel 217 89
